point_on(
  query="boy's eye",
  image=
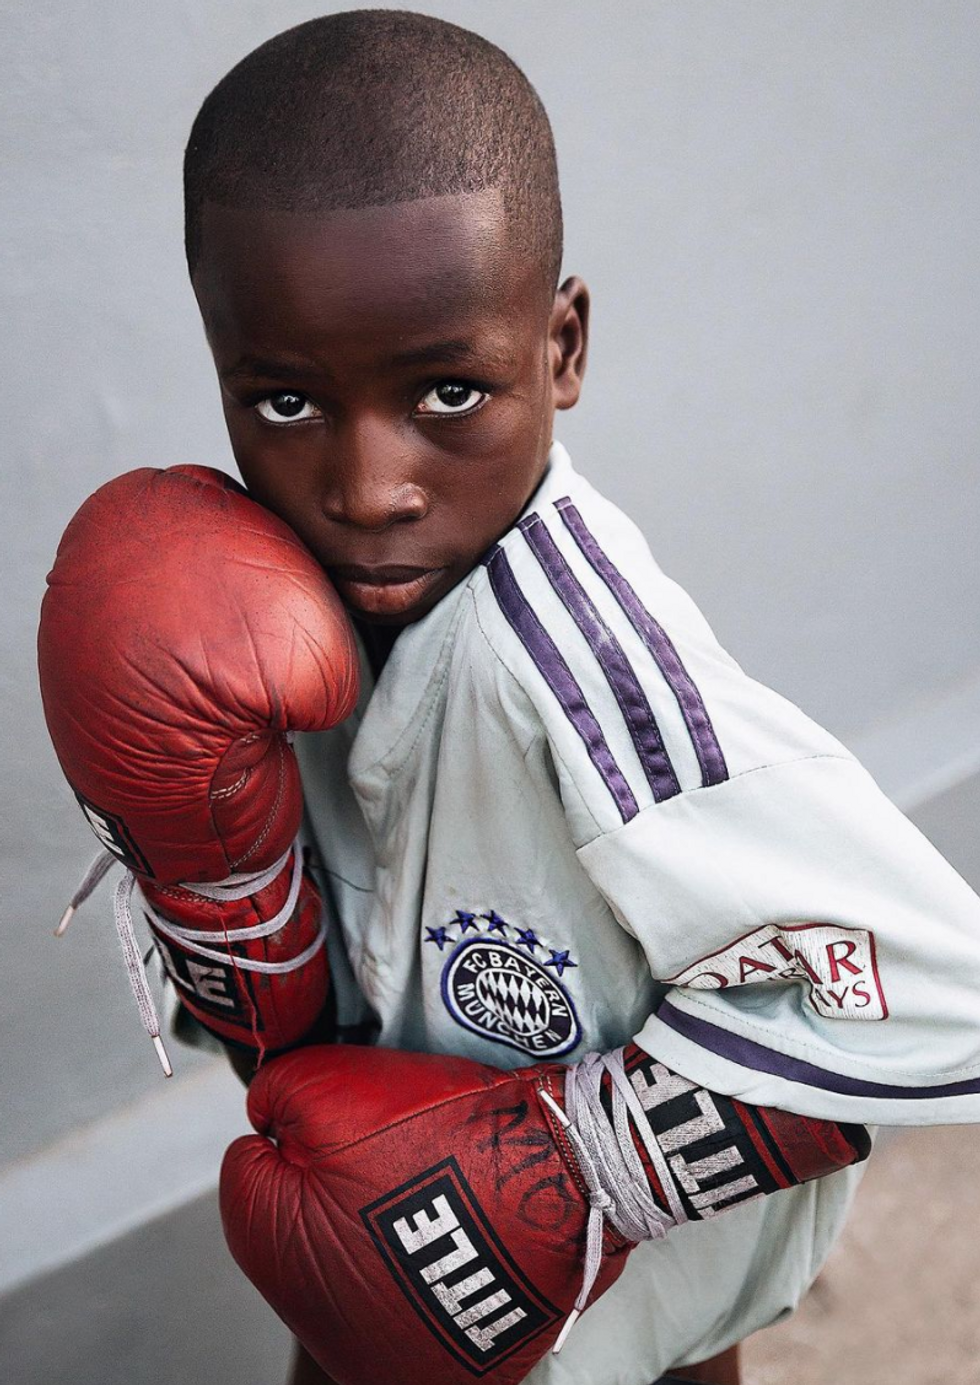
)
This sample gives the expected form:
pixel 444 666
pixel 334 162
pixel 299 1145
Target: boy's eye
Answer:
pixel 452 397
pixel 286 407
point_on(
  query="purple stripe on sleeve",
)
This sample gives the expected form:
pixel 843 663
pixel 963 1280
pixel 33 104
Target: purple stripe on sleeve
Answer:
pixel 705 742
pixel 611 658
pixel 748 1054
pixel 559 678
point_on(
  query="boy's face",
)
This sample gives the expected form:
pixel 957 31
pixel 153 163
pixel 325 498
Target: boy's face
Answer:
pixel 389 378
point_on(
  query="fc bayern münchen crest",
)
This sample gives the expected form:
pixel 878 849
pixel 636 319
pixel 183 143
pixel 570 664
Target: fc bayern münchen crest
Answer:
pixel 494 990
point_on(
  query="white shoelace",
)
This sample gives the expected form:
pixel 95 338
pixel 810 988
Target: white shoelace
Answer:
pixel 618 1187
pixel 194 939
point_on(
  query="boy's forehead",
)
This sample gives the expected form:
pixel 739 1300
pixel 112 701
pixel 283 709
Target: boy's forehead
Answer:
pixel 435 258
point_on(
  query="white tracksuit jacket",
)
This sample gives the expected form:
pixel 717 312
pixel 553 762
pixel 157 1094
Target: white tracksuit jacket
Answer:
pixel 565 817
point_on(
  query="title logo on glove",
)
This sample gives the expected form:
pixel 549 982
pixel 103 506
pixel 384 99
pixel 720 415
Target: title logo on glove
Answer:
pixel 444 1255
pixel 114 835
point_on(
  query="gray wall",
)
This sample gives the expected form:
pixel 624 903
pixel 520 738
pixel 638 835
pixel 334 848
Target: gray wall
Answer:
pixel 776 206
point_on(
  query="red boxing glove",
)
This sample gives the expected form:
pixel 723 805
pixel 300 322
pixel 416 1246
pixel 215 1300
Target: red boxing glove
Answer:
pixel 186 632
pixel 426 1219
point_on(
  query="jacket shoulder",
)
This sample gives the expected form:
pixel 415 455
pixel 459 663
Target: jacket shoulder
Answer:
pixel 637 696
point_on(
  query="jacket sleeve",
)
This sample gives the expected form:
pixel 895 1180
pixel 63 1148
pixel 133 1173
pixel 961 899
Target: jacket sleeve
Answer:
pixel 822 956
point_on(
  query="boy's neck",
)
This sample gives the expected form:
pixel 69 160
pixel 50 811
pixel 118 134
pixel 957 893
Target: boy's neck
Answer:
pixel 378 640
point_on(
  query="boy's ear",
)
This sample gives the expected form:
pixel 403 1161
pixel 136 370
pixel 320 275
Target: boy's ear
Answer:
pixel 568 341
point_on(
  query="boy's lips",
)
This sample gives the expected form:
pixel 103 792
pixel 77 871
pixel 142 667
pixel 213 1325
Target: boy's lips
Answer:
pixel 383 591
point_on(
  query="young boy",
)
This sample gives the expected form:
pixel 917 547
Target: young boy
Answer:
pixel 561 815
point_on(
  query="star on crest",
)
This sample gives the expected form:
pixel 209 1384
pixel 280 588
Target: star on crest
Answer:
pixel 465 920
pixel 526 937
pixel 495 924
pixel 439 936
pixel 560 960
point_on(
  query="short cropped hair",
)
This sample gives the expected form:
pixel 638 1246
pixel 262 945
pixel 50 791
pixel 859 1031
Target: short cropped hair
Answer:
pixel 373 107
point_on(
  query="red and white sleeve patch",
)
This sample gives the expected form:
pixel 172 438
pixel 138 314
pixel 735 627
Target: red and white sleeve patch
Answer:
pixel 838 964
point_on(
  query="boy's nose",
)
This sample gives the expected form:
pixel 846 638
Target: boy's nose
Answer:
pixel 369 480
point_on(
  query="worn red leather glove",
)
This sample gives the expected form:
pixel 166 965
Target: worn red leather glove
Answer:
pixel 186 632
pixel 418 1219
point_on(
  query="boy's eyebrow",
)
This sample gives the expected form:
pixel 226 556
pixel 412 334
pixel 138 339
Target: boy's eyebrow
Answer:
pixel 246 367
pixel 456 352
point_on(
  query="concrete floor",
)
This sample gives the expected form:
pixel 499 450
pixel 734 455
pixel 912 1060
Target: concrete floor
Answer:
pixel 898 1303
pixel 164 1305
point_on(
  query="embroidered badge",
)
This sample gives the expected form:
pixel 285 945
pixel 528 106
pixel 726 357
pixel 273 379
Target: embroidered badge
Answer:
pixel 507 989
pixel 837 964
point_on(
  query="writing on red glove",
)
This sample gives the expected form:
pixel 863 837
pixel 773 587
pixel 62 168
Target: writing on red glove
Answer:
pixel 416 1218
